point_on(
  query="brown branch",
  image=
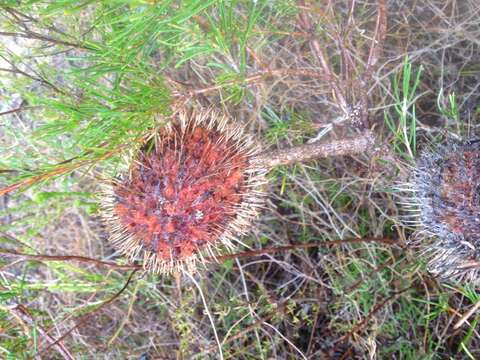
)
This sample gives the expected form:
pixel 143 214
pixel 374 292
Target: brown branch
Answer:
pixel 8 171
pixel 378 40
pixel 21 108
pixel 257 323
pixel 22 19
pixel 357 113
pixel 316 150
pixel 359 326
pixel 60 170
pixel 22 313
pixel 15 70
pixel 89 315
pixel 251 79
pixel 83 259
pixel 272 250
pixel 14 239
pixel 250 253
pixel 33 180
pixel 36 36
pixel 306 24
pixel 376 50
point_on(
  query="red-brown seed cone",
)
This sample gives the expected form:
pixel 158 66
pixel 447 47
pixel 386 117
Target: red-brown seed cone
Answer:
pixel 189 190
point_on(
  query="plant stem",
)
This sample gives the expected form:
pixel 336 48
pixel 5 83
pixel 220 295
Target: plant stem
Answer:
pixel 316 150
pixel 88 316
pixel 22 313
pixel 250 253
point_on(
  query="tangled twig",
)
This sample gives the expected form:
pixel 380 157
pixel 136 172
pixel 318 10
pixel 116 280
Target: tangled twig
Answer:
pixel 250 253
pixel 89 315
pixel 22 313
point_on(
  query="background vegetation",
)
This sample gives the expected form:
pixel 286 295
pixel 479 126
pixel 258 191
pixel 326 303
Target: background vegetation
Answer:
pixel 81 81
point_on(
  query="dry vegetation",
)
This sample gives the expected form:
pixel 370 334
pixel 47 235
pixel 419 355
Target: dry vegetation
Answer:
pixel 328 272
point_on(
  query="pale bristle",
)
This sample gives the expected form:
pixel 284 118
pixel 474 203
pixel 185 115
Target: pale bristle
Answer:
pixel 151 224
pixel 442 202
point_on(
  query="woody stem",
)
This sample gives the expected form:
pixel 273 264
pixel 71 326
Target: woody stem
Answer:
pixel 316 150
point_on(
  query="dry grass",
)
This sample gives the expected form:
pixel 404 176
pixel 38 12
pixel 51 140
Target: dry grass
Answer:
pixel 360 300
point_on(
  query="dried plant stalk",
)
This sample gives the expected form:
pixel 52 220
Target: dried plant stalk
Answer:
pixel 316 150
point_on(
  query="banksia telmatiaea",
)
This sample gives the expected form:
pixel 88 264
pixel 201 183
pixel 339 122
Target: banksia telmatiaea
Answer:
pixel 189 190
pixel 445 198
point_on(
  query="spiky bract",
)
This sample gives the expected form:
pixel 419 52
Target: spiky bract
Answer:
pixel 190 189
pixel 445 202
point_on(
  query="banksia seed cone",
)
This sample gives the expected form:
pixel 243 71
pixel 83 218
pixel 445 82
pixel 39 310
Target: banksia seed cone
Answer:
pixel 445 187
pixel 189 190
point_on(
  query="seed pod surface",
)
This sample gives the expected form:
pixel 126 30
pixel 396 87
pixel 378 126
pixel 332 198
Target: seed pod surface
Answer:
pixel 446 195
pixel 189 191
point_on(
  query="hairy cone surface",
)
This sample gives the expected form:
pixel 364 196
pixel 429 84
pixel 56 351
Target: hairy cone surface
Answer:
pixel 188 190
pixel 447 184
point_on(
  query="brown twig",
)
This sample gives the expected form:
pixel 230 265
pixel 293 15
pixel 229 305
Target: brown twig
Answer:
pixel 8 171
pixel 357 113
pixel 83 259
pixel 277 249
pixel 306 24
pixel 36 36
pixel 34 78
pixel 316 150
pixel 378 40
pixel 257 323
pixel 22 312
pixel 251 79
pixel 89 315
pixel 21 108
pixel 469 265
pixel 23 19
pixel 250 253
pixel 60 170
pixel 376 50
pixel 467 315
pixel 376 309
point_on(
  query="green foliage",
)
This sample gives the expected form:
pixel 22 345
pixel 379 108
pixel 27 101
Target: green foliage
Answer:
pixel 112 89
pixel 404 129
